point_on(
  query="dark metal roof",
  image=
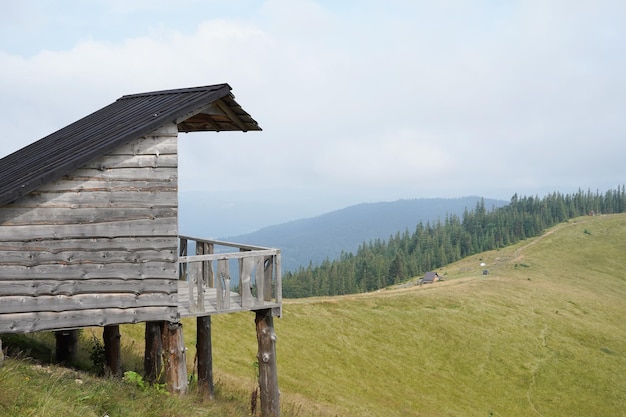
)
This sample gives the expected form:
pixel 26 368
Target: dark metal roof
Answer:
pixel 210 108
pixel 430 276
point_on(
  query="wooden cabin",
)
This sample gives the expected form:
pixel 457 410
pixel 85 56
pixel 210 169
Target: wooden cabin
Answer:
pixel 89 232
pixel 430 277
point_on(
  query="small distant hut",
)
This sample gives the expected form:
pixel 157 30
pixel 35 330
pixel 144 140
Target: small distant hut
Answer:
pixel 430 278
pixel 89 237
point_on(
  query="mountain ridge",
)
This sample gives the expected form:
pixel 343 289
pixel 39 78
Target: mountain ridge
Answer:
pixel 315 239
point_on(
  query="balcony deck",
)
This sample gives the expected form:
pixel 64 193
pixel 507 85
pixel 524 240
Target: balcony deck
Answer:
pixel 219 280
pixel 210 302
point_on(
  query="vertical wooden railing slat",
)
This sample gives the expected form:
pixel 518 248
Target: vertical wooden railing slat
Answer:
pixel 192 277
pixel 199 269
pixel 182 268
pixel 279 283
pixel 207 266
pixel 245 274
pixel 260 279
pixel 223 285
pixel 268 275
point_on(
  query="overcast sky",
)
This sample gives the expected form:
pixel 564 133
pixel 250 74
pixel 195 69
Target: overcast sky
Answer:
pixel 359 101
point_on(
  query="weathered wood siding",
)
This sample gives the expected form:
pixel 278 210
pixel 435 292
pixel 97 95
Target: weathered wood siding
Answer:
pixel 98 246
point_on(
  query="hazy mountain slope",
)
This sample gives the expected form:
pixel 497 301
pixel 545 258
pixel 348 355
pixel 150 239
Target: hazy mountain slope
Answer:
pixel 315 239
pixel 542 334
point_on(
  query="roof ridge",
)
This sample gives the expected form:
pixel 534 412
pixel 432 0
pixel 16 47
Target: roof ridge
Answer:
pixel 176 91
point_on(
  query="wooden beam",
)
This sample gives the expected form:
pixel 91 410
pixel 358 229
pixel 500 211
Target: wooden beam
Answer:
pixel 112 350
pixel 225 243
pixel 224 107
pixel 230 255
pixel 268 375
pixel 199 122
pixel 205 357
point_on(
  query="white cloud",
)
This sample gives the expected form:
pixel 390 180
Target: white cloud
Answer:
pixel 396 158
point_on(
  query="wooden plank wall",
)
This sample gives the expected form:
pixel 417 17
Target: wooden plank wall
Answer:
pixel 98 246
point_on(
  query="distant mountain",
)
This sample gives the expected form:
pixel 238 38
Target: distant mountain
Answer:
pixel 326 236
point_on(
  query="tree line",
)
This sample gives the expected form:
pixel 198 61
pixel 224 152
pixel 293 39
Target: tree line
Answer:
pixel 378 263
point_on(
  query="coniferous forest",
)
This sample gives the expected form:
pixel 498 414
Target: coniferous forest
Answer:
pixel 406 254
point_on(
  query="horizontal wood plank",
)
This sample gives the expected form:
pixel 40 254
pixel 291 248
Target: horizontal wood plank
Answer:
pixel 145 174
pixel 150 145
pixel 240 246
pixel 130 244
pixel 164 270
pixel 24 216
pixel 228 255
pixel 85 198
pixel 59 303
pixel 134 161
pixel 38 287
pixel 39 321
pixel 128 228
pixel 78 257
pixel 76 185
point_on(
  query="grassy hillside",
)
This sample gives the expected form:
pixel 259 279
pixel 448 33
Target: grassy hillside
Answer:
pixel 542 334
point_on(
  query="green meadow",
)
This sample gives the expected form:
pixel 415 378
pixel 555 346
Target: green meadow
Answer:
pixel 542 334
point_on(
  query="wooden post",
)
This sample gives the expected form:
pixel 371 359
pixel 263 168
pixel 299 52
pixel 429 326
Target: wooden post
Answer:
pixel 205 356
pixel 1 354
pixel 66 346
pixel 152 360
pixel 268 268
pixel 112 350
pixel 268 375
pixel 175 362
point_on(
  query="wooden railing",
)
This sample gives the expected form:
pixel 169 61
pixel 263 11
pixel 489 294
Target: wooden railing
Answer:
pixel 218 280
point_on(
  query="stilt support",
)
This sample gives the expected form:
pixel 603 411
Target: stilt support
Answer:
pixel 66 346
pixel 205 357
pixel 268 375
pixel 153 359
pixel 175 362
pixel 113 350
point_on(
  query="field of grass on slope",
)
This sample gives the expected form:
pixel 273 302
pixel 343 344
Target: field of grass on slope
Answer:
pixel 542 334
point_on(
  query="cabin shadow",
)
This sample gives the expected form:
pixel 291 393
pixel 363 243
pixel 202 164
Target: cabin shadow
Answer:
pixel 41 348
